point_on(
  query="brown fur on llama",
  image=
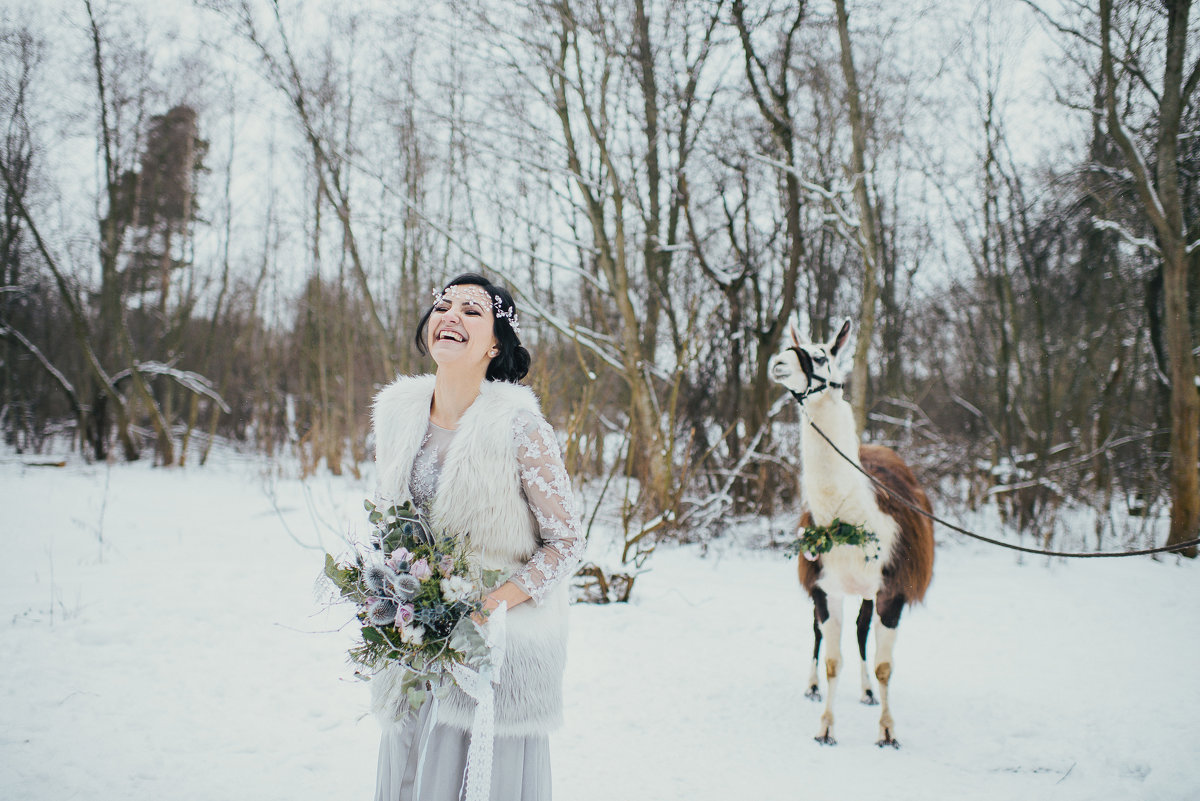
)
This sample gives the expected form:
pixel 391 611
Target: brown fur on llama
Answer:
pixel 912 557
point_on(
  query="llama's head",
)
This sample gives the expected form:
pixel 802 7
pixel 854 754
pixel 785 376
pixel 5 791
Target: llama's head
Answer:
pixel 809 367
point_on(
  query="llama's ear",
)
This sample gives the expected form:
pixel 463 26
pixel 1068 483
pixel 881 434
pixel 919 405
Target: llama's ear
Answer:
pixel 839 341
pixel 794 333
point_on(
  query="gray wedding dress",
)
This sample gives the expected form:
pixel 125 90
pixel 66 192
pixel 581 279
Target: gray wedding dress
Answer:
pixel 421 760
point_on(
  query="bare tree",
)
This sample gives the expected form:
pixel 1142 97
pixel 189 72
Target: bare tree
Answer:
pixel 867 229
pixel 329 163
pixel 626 113
pixel 1161 196
pixel 773 96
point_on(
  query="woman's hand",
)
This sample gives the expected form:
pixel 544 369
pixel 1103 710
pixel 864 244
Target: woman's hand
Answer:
pixel 489 605
pixel 508 592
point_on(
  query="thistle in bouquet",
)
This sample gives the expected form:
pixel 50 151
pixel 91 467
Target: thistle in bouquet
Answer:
pixel 416 593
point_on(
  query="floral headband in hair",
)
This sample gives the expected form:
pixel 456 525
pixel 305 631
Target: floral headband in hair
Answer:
pixel 498 309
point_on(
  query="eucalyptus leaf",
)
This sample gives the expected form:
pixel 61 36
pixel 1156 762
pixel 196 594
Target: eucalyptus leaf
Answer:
pixel 342 577
pixel 466 639
pixel 822 539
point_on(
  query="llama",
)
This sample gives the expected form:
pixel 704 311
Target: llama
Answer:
pixel 833 489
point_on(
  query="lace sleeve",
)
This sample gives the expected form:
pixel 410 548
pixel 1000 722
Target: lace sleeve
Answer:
pixel 552 501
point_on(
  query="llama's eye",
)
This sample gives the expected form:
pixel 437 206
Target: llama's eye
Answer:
pixel 819 359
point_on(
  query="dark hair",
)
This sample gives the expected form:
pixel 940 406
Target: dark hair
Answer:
pixel 511 363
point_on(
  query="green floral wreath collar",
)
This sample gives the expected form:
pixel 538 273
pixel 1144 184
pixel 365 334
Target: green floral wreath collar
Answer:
pixel 816 540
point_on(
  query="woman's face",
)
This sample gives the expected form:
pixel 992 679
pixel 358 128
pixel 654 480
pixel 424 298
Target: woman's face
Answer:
pixel 459 332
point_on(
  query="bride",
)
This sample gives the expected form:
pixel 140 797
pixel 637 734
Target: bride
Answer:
pixel 470 448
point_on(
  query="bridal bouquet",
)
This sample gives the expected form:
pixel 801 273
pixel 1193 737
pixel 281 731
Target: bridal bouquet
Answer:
pixel 416 592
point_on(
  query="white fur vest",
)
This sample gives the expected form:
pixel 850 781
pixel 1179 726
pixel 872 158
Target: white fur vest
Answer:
pixel 479 491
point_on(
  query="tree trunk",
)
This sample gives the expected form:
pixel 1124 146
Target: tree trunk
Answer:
pixel 868 235
pixel 1185 406
pixel 649 430
pixel 772 101
pixel 1162 200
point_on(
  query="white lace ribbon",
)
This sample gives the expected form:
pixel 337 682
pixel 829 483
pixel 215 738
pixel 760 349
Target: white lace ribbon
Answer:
pixel 477 683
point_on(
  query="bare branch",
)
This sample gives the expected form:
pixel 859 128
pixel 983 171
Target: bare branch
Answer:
pixel 191 381
pixel 10 333
pixel 1130 64
pixel 832 196
pixel 1193 79
pixel 79 322
pixel 1141 172
pixel 1137 241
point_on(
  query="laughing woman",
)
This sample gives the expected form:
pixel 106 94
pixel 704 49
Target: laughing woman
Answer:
pixel 471 449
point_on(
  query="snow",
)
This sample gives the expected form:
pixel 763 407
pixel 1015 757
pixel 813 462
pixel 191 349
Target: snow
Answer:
pixel 162 638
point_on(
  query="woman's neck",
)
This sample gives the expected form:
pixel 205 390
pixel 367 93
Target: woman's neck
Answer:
pixel 453 393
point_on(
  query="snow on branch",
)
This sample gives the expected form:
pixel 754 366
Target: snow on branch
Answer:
pixel 1043 483
pixel 193 382
pixel 1128 236
pixel 8 332
pixel 832 196
pixel 1141 171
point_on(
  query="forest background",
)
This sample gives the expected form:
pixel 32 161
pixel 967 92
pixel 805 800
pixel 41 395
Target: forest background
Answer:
pixel 222 220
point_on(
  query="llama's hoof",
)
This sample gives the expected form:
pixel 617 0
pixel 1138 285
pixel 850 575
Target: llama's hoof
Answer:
pixel 825 739
pixel 887 740
pixel 813 693
pixel 869 698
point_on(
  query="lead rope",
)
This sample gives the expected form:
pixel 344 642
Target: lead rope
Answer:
pixel 1179 546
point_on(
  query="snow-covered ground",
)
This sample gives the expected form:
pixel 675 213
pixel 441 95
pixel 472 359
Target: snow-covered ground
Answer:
pixel 160 639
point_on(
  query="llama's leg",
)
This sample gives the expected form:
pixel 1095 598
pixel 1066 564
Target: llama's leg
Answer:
pixel 831 633
pixel 864 625
pixel 889 608
pixel 813 691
